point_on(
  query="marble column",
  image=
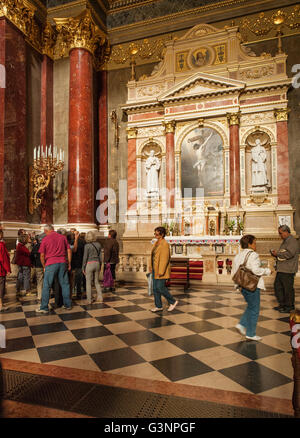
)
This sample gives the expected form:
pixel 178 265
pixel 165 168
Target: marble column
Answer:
pixel 283 170
pixel 234 158
pixel 13 158
pixel 103 136
pixel 47 130
pixel 80 175
pixel 170 162
pixel 132 173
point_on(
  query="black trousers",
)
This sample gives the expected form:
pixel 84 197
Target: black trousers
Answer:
pixel 284 289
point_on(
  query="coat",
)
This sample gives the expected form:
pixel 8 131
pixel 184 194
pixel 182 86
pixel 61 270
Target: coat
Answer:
pixel 22 255
pixel 4 260
pixel 161 264
pixel 111 251
pixel 253 263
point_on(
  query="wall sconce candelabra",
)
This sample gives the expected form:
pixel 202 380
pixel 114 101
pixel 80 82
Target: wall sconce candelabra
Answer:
pixel 47 163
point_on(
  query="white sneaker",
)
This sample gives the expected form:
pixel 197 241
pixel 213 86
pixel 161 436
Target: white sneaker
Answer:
pixel 172 306
pixel 241 329
pixel 156 309
pixel 41 311
pixel 254 338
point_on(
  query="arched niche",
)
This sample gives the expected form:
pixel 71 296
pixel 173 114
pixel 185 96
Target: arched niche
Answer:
pixel 265 141
pixel 146 149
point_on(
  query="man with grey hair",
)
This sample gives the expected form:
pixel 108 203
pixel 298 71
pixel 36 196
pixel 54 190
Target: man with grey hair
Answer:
pixel 286 266
pixel 55 251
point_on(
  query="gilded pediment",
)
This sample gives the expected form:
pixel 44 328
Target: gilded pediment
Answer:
pixel 202 84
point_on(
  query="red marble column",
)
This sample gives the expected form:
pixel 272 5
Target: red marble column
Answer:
pixel 13 159
pixel 103 139
pixel 170 162
pixel 132 176
pixel 234 158
pixel 80 176
pixel 283 171
pixel 47 130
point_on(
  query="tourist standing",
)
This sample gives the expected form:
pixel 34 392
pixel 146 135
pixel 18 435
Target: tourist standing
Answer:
pixel 54 251
pixel 111 254
pixel 24 263
pixel 37 269
pixel 76 264
pixel 248 321
pixel 4 268
pixel 160 266
pixel 286 267
pixel 91 266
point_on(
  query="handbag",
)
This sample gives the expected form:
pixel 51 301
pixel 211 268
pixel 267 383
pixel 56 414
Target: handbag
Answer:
pixel 108 280
pixel 150 283
pixel 245 278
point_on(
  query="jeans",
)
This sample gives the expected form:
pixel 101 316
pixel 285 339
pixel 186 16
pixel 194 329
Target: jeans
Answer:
pixel 23 278
pixel 63 278
pixel 159 289
pixel 92 270
pixel 250 316
pixel 284 289
pixel 39 274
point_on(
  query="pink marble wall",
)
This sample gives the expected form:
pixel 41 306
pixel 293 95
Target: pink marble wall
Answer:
pixel 234 156
pixel 81 174
pixel 170 167
pixel 283 172
pixel 14 177
pixel 131 179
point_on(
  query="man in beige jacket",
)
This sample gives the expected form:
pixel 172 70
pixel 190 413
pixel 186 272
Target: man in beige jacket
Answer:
pixel 160 266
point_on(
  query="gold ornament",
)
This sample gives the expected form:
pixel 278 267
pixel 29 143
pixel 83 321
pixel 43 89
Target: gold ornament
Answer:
pixel 281 114
pixel 233 118
pixel 169 126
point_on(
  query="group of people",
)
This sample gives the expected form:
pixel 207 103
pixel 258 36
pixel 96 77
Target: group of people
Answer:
pixel 63 261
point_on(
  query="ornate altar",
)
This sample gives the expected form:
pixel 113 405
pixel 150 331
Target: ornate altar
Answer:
pixel 216 116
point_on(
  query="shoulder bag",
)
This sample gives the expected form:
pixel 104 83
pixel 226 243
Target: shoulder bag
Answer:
pixel 245 278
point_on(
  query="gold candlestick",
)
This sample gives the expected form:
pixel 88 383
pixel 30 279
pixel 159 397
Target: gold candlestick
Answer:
pixel 45 166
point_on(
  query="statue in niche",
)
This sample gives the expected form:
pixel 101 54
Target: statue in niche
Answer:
pixel 152 172
pixel 259 170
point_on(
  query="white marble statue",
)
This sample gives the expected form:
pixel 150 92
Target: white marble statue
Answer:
pixel 259 170
pixel 152 171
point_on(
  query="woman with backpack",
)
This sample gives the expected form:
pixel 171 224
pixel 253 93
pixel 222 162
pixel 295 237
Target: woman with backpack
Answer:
pixel 91 266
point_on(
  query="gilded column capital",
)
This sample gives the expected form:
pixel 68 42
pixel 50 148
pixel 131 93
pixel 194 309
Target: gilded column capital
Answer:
pixel 233 118
pixel 169 126
pixel 80 32
pixel 131 133
pixel 49 37
pixel 21 14
pixel 281 114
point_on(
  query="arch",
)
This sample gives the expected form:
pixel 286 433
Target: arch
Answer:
pixel 148 142
pixel 207 124
pixel 258 128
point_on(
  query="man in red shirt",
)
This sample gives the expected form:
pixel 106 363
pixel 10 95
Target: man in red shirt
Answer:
pixel 56 258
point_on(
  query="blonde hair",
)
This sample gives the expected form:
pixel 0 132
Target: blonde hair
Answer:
pixel 90 237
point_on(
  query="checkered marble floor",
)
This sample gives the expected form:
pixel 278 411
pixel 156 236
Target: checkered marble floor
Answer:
pixel 196 344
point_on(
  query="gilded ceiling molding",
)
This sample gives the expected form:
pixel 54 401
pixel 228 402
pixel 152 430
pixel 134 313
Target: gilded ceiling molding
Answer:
pixel 21 14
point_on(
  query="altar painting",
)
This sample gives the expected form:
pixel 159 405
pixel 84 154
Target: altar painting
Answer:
pixel 202 162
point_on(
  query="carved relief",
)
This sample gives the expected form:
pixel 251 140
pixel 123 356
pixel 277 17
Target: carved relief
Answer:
pixel 154 131
pixel 150 90
pixel 257 119
pixel 259 72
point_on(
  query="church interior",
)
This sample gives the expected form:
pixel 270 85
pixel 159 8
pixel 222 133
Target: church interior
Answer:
pixel 129 115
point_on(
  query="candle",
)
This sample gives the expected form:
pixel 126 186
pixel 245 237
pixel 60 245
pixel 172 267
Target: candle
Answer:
pixel 34 153
pixel 38 153
pixel 49 152
pixel 237 207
